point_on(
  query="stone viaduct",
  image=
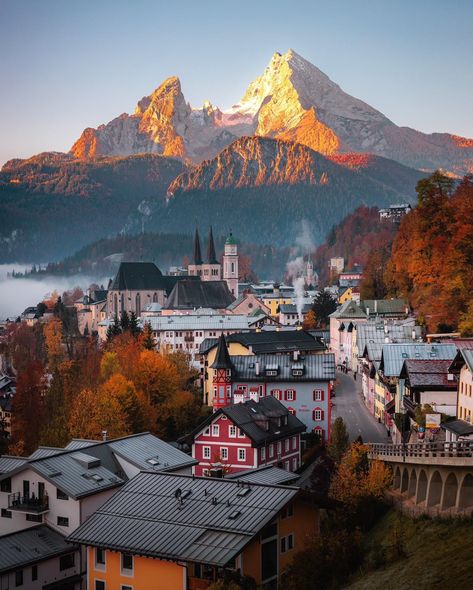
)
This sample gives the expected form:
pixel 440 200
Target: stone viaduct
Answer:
pixel 432 478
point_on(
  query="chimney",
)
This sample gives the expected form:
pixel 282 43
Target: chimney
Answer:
pixel 368 311
pixel 104 435
pixel 296 355
pixel 375 306
pixel 413 334
pixel 257 367
pixel 250 348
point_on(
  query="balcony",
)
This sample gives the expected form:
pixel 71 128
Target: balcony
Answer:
pixel 28 504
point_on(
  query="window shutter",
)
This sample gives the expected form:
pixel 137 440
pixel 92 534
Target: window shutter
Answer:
pixel 313 395
pixel 313 414
pixel 294 395
pixel 322 414
pixel 285 394
pixel 322 395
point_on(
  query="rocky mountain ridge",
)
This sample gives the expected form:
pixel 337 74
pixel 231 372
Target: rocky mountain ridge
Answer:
pixel 292 100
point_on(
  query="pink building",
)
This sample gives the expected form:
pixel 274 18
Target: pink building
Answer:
pixel 245 436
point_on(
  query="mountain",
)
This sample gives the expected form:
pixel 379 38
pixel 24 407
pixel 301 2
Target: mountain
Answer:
pixel 53 204
pixel 292 100
pixel 263 189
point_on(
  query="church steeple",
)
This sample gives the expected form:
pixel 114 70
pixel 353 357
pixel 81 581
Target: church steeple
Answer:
pixel 197 252
pixel 211 257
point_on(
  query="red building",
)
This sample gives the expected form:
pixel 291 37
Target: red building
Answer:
pixel 248 435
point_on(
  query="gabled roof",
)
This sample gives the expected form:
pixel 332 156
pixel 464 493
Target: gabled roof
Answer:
pixel 45 452
pixel 185 518
pixel 270 341
pixel 349 310
pixel 30 546
pixel 428 374
pixel 137 276
pixel 385 307
pixel 394 355
pixel 191 294
pixel 292 308
pixel 395 331
pixel 464 356
pixel 68 469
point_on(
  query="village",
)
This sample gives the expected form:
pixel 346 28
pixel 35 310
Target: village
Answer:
pixel 235 493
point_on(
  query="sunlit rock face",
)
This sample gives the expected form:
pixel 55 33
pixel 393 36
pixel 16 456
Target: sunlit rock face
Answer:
pixel 292 100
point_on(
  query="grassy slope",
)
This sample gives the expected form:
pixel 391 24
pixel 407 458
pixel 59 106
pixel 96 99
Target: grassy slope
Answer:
pixel 439 555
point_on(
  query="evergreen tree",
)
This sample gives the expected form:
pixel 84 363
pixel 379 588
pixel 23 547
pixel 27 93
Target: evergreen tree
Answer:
pixel 124 321
pixel 116 329
pixel 134 326
pixel 324 304
pixel 86 330
pixel 148 340
pixel 339 440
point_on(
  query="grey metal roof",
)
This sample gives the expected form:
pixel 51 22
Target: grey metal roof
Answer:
pixel 79 443
pixel 459 427
pixel 349 310
pixel 8 463
pixel 45 452
pixel 138 450
pixel 317 367
pixel 199 322
pixel 30 546
pixel 268 474
pixel 394 355
pixel 292 308
pixel 212 524
pixel 377 332
pixel 68 472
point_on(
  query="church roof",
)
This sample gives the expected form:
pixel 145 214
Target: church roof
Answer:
pixel 191 294
pixel 211 256
pixel 231 240
pixel 197 251
pixel 137 276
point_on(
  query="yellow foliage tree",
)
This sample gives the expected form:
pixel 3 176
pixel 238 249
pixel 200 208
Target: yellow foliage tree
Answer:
pixel 54 347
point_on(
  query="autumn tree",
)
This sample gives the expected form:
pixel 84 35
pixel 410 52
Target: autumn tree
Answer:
pixel 310 321
pixel 28 409
pixel 54 346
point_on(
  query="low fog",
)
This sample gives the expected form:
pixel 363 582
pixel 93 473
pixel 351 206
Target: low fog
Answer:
pixel 17 294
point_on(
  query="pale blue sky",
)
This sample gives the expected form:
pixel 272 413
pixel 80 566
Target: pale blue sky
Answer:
pixel 66 65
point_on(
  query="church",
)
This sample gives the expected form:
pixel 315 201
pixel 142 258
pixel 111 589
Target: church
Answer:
pixel 211 269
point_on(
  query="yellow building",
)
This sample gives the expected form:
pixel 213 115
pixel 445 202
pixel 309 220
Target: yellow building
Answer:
pixel 178 532
pixel 274 301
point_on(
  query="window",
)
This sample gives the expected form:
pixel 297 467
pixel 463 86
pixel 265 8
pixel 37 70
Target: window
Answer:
pixel 241 434
pixel 277 393
pixel 126 587
pixel 62 521
pixel 279 447
pixel 224 453
pixel 99 585
pixel 294 442
pixel 34 518
pixel 287 543
pixel 263 454
pixel 215 430
pixel 232 431
pixel 317 415
pixel 229 391
pixel 318 395
pixel 34 573
pixel 5 485
pixel 241 454
pixel 99 558
pixel 6 513
pixel 292 411
pixel 127 563
pixel 66 562
pixel 271 450
pixel 286 444
pixel 294 464
pixel 205 472
pixel 207 431
pixel 206 453
pixel 19 578
pixel 60 495
pixel 290 395
pixel 283 545
pixel 287 466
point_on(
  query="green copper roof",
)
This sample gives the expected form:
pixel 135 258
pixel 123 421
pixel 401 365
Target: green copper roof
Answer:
pixel 231 240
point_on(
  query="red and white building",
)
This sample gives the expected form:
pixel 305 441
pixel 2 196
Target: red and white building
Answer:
pixel 248 435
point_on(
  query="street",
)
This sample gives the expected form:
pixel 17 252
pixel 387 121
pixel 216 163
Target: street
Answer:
pixel 348 403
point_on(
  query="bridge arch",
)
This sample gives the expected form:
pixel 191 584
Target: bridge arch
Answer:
pixel 404 480
pixel 434 492
pixel 465 497
pixel 397 478
pixel 421 493
pixel 411 490
pixel 450 491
